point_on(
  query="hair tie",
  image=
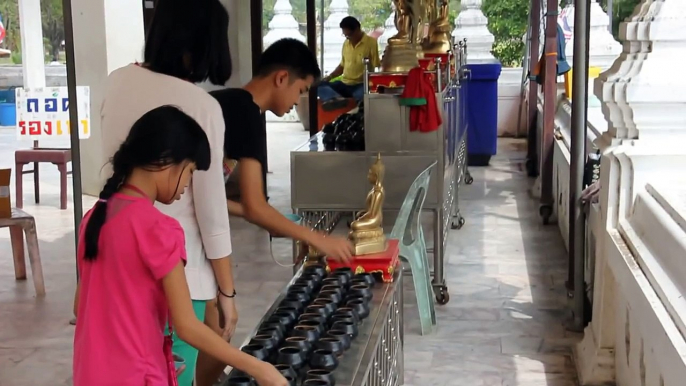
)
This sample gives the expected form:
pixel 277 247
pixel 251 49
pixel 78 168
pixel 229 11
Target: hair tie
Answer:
pixel 102 200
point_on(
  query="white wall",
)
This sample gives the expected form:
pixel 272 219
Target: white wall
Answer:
pixel 509 97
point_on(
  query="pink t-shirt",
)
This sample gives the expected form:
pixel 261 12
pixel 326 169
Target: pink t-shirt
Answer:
pixel 122 309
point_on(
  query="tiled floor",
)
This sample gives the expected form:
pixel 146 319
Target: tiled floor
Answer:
pixel 503 325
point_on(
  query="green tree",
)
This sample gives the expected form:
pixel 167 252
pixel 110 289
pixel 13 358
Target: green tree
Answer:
pixel 507 21
pixel 53 27
pixel 10 18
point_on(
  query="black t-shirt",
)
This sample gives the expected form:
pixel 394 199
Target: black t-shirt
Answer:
pixel 245 135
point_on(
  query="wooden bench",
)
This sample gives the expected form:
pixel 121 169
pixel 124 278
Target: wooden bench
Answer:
pixel 59 157
pixel 20 224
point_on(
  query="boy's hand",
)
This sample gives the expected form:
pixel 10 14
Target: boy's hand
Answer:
pixel 337 248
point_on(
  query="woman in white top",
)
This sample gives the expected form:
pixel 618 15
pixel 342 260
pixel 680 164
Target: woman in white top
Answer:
pixel 187 43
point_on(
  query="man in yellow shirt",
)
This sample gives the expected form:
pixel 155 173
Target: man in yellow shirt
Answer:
pixel 357 47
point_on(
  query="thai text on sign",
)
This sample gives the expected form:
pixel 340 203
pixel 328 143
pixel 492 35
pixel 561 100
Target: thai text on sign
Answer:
pixel 44 112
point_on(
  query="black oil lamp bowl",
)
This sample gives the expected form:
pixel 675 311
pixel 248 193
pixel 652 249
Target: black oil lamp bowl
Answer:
pixel 308 332
pixel 332 280
pixel 337 288
pixel 334 296
pixel 300 342
pixel 320 375
pixel 366 278
pixel 272 330
pixel 291 311
pixel 286 371
pixel 291 356
pixel 332 344
pixel 359 306
pixel 342 336
pixel 361 290
pixel 329 304
pixel 313 317
pixel 349 327
pixel 240 381
pixel 256 350
pixel 323 360
pixel 319 327
pixel 269 342
pixel 315 269
pixel 348 311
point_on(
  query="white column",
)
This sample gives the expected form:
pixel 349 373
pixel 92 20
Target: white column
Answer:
pixel 644 103
pixel 389 30
pixel 32 53
pixel 108 34
pixel 603 48
pixel 283 24
pixel 333 36
pixel 471 23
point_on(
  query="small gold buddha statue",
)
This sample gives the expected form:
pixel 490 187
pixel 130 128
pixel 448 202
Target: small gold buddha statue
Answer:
pixel 439 38
pixel 366 232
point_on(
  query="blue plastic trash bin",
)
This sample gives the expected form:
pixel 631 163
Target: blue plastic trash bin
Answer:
pixel 8 114
pixel 480 96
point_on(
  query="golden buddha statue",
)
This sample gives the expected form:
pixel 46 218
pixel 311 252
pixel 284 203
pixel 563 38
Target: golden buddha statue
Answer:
pixel 400 54
pixel 366 232
pixel 439 38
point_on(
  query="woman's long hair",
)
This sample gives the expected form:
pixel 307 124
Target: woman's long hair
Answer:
pixel 188 39
pixel 161 138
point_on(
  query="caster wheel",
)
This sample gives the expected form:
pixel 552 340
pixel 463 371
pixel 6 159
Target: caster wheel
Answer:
pixel 469 179
pixel 443 297
pixel 546 211
pixel 459 224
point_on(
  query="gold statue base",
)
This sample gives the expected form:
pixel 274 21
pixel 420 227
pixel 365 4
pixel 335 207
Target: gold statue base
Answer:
pixel 399 58
pixel 368 241
pixel 436 47
pixel 370 246
pixel 439 42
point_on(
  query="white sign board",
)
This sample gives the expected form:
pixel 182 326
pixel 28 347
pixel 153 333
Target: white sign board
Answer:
pixel 44 112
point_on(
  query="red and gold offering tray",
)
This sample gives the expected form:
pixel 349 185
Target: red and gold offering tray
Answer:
pixel 398 79
pixel 384 263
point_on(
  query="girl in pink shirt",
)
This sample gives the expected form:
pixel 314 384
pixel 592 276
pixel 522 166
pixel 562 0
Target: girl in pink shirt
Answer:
pixel 130 260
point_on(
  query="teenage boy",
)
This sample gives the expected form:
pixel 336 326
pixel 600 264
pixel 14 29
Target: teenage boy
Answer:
pixel 286 69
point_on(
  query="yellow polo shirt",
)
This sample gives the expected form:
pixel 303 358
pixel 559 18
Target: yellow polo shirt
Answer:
pixel 353 59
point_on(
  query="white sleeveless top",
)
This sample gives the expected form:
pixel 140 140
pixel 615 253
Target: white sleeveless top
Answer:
pixel 132 91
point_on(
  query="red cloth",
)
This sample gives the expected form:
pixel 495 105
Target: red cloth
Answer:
pixel 426 117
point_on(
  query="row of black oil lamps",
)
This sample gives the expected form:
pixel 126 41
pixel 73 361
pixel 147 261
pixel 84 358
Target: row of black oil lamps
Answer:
pixel 312 327
pixel 346 133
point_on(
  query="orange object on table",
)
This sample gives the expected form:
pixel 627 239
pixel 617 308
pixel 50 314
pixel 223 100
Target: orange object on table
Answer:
pixel 384 263
pixel 324 117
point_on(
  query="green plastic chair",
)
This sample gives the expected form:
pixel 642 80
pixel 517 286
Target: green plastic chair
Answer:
pixel 408 231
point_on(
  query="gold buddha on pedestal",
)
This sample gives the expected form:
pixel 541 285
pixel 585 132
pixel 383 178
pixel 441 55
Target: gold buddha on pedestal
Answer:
pixel 366 232
pixel 439 38
pixel 401 54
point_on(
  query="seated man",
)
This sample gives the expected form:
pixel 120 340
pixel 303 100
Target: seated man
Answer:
pixel 357 47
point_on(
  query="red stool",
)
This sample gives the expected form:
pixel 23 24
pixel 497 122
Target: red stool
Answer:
pixel 59 157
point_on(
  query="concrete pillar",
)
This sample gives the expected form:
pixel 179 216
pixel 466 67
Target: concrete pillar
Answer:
pixel 389 30
pixel 644 103
pixel 283 25
pixel 471 23
pixel 603 49
pixel 32 53
pixel 333 37
pixel 108 34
